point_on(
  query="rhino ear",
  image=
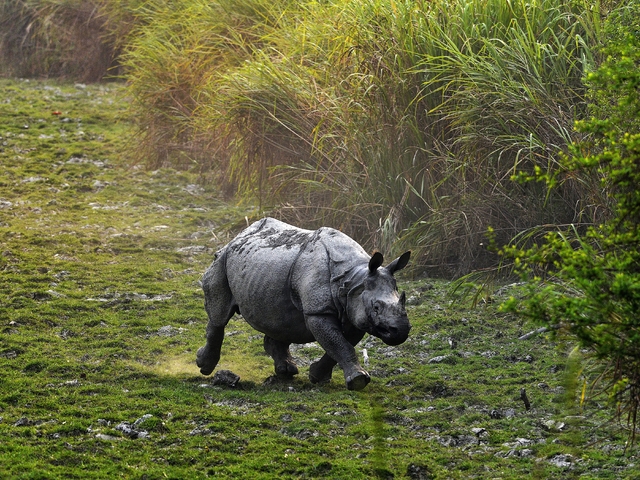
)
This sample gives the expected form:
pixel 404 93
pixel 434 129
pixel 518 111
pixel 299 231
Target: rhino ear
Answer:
pixel 375 262
pixel 399 263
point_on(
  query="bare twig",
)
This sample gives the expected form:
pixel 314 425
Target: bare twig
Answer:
pixel 527 336
pixel 525 399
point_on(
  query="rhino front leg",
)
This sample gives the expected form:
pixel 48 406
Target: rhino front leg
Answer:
pixel 328 333
pixel 321 371
pixel 282 359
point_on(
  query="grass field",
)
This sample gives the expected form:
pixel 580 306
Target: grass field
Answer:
pixel 101 314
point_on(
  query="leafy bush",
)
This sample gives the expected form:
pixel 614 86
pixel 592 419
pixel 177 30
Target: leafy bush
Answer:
pixel 588 285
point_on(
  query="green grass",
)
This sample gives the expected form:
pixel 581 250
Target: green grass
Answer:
pixel 101 314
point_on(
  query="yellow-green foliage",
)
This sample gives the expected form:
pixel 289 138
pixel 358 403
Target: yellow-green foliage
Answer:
pixel 55 38
pixel 401 118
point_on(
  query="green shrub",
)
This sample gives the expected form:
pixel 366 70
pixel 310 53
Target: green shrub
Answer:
pixel 588 284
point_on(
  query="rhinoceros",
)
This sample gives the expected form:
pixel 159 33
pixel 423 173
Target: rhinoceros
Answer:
pixel 300 286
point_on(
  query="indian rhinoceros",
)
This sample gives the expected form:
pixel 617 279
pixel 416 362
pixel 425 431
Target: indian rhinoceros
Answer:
pixel 300 286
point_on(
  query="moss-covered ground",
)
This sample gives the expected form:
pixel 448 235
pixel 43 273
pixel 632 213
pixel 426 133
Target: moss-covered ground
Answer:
pixel 101 314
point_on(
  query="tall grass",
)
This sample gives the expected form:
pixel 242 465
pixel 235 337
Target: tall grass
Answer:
pixel 510 75
pixel 400 122
pixel 57 38
pixel 178 51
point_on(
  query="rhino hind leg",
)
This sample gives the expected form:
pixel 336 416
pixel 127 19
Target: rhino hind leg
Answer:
pixel 208 356
pixel 220 306
pixel 320 371
pixel 282 359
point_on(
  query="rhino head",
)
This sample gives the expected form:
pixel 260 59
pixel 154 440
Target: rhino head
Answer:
pixel 375 305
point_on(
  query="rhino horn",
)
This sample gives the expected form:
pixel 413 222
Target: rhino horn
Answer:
pixel 375 262
pixel 399 263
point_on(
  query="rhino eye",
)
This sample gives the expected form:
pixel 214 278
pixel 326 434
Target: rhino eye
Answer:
pixel 376 308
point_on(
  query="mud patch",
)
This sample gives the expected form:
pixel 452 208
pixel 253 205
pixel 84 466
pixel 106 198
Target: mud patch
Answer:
pixel 177 366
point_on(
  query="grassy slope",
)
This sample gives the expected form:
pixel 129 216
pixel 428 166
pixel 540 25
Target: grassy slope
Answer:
pixel 101 315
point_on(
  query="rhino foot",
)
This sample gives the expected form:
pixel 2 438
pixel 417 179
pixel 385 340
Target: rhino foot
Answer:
pixel 358 381
pixel 286 368
pixel 320 372
pixel 282 360
pixel 205 362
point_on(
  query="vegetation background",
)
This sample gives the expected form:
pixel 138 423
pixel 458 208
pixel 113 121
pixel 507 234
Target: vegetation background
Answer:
pixel 400 122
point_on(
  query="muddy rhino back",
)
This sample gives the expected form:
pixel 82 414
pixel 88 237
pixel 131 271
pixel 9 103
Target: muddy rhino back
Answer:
pixel 258 267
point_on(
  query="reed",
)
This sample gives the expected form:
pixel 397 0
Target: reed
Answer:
pixel 401 122
pixel 56 39
pixel 177 51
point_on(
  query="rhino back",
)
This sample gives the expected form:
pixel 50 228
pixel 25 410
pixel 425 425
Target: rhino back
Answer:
pixel 258 266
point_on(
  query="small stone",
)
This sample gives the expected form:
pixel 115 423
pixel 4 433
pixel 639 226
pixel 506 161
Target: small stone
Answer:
pixel 439 359
pixel 521 442
pixel 33 179
pixel 169 331
pixel 142 419
pixel 561 460
pixel 552 425
pixel 131 432
pixel 413 300
pixel 23 422
pixel 225 377
pixel 419 472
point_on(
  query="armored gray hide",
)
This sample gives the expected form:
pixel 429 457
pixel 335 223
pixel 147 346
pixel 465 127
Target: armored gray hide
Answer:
pixel 297 286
